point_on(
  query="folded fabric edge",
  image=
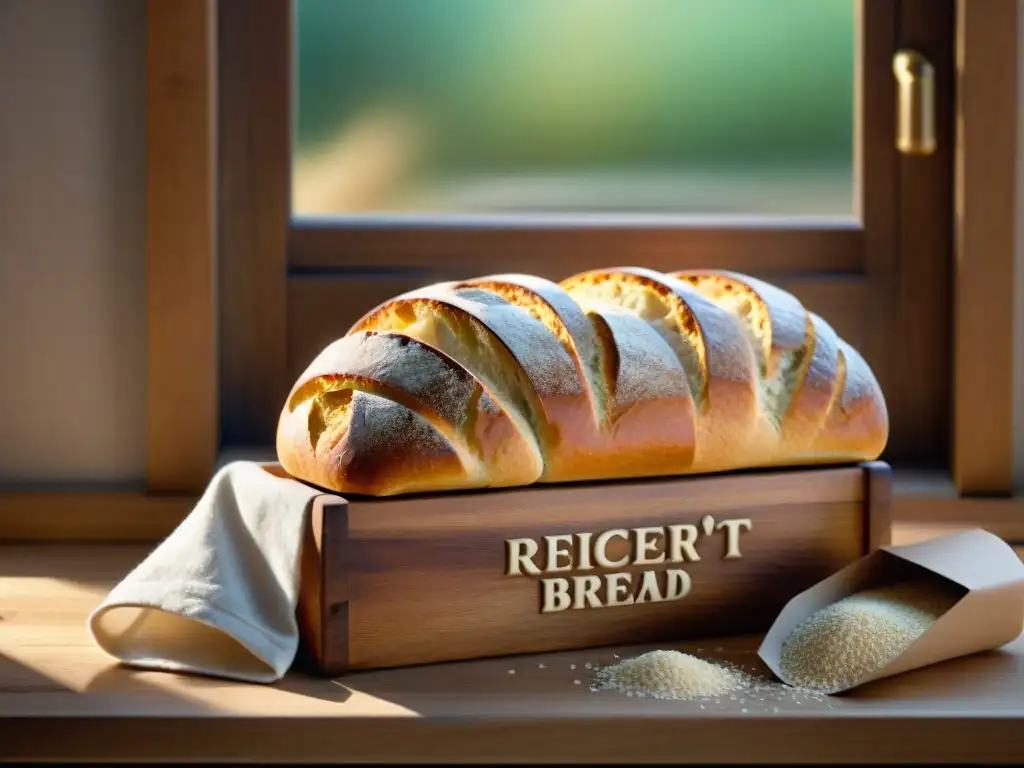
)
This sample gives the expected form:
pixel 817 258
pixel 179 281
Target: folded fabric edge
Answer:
pixel 213 618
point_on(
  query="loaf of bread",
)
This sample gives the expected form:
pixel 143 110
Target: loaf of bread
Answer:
pixel 509 380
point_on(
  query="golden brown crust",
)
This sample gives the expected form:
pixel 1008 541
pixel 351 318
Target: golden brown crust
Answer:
pixel 651 420
pixel 514 356
pixel 711 346
pixel 424 411
pixel 565 319
pixel 775 319
pixel 511 379
pixel 536 350
pixel 858 423
pixel 798 355
pixel 352 458
pixel 813 397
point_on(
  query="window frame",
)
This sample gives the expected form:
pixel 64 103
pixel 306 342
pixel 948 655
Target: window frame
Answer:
pixel 181 243
pixel 986 198
pixel 218 235
pixel 853 271
pixel 876 265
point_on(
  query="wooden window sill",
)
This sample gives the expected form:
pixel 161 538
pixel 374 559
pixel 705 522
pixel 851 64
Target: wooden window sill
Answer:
pixel 924 504
pixel 62 698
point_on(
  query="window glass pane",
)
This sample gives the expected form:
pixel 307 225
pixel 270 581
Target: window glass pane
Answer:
pixel 574 106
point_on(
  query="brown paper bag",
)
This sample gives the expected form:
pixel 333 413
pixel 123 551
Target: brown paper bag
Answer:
pixel 988 615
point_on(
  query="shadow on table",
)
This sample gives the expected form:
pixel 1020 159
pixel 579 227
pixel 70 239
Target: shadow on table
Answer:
pixel 136 688
pixel 134 693
pixel 98 566
pixel 333 691
pixel 15 677
pixel 993 677
pixel 120 677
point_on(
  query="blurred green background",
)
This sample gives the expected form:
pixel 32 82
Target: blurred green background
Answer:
pixel 461 106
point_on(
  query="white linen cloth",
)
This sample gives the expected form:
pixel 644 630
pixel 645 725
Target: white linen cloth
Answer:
pixel 218 596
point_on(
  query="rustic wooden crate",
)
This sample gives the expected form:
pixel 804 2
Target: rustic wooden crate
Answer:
pixel 419 579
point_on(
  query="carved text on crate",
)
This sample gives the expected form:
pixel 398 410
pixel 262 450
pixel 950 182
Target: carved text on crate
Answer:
pixel 619 548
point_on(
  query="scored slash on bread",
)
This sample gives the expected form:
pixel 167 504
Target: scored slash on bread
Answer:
pixel 715 352
pixel 507 380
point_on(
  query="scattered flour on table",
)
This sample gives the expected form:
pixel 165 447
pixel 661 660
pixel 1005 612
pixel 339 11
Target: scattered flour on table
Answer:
pixel 670 675
pixel 840 645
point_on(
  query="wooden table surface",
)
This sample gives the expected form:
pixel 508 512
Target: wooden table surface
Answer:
pixel 62 698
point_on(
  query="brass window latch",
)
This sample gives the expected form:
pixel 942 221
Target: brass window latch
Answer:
pixel 915 120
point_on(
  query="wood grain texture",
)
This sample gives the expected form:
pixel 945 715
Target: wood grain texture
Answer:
pixel 510 246
pixel 104 515
pixel 920 517
pixel 254 205
pixel 920 508
pixel 62 699
pixel 876 196
pixel 878 498
pixel 922 321
pixel 435 564
pixel 324 607
pixel 986 152
pixel 182 417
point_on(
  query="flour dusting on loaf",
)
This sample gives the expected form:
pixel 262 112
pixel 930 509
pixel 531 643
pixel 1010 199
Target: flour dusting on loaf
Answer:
pixel 645 365
pixel 506 380
pixel 565 319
